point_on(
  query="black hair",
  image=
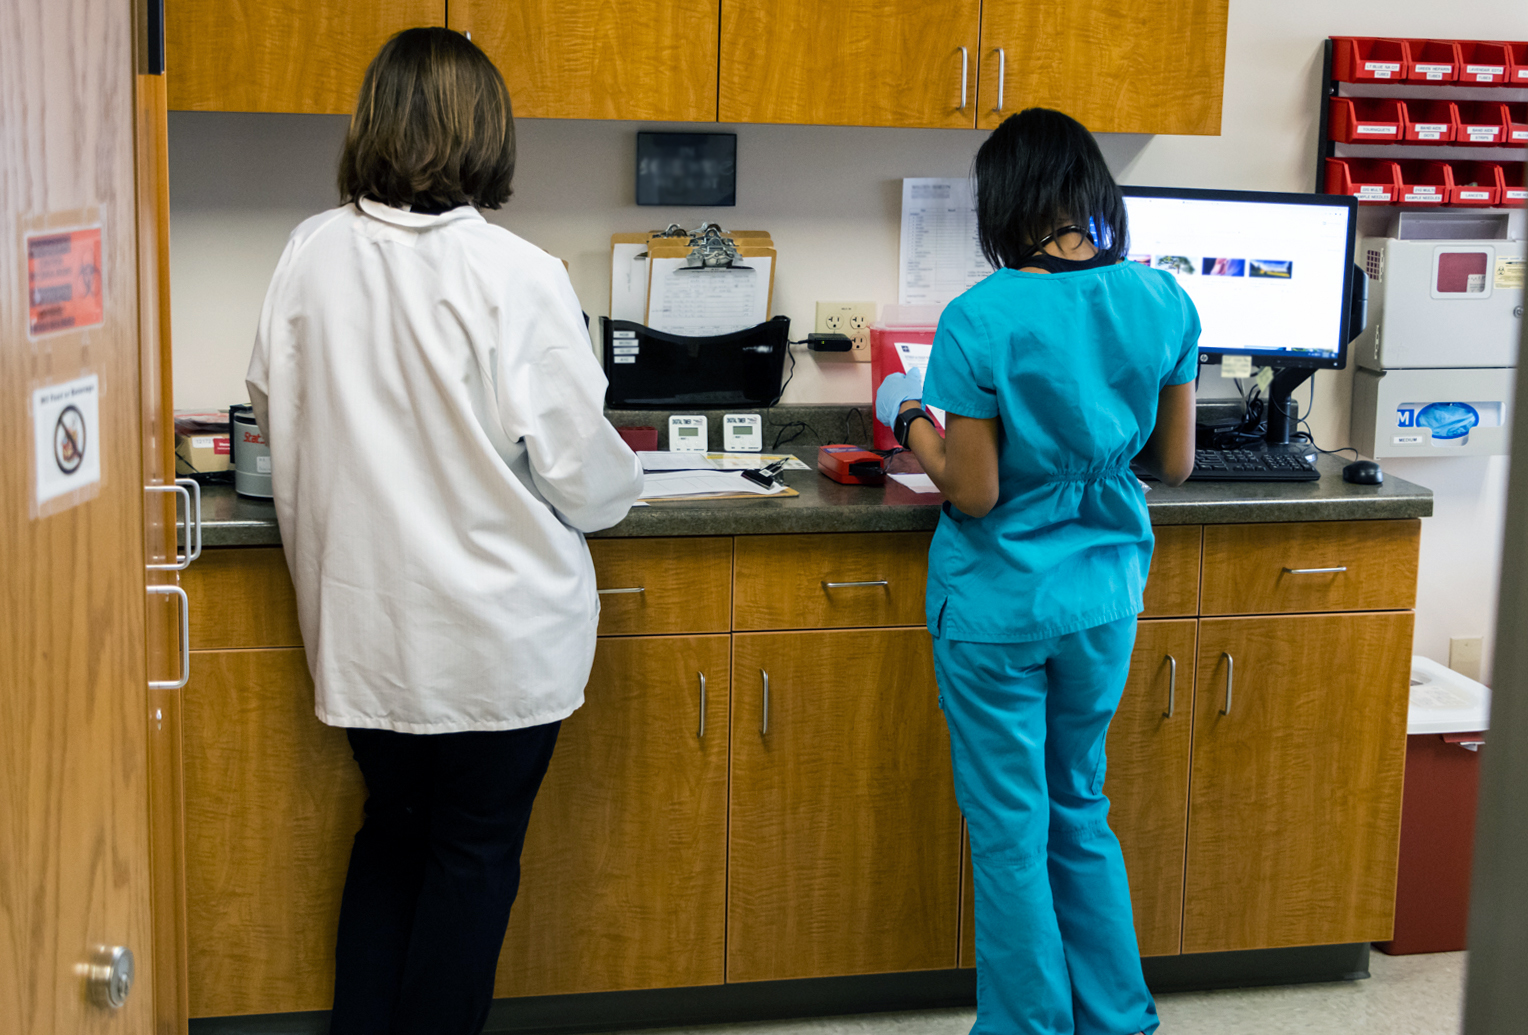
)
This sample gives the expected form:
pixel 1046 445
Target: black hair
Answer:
pixel 1039 170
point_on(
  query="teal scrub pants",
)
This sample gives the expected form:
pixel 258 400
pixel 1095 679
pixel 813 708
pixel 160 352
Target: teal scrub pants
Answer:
pixel 1055 938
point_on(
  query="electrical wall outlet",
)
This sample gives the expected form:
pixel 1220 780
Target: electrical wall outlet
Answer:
pixel 851 318
pixel 1464 655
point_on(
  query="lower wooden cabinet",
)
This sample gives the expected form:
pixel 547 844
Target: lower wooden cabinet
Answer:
pixel 1299 746
pixel 623 879
pixel 844 836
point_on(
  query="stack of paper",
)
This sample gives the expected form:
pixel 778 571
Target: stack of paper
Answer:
pixel 652 283
pixel 677 484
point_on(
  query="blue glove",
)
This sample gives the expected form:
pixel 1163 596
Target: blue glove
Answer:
pixel 894 391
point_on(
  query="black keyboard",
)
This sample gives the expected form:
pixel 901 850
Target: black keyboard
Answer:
pixel 1251 465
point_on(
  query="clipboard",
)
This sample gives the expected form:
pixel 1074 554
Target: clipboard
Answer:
pixel 785 495
pixel 704 298
pixel 630 263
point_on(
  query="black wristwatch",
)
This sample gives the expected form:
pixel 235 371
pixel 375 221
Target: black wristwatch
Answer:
pixel 904 423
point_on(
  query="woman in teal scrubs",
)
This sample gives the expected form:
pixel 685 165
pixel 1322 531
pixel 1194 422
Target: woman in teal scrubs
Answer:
pixel 1056 372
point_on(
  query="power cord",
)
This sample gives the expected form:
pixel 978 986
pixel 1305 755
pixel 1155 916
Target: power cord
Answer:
pixel 791 353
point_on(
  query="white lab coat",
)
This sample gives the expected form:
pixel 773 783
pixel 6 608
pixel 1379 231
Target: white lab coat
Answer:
pixel 438 448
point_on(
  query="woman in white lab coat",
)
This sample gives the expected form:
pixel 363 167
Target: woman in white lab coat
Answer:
pixel 438 449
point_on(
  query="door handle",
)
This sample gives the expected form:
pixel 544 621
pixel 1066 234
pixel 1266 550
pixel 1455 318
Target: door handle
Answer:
pixel 185 640
pixel 845 585
pixel 764 729
pixel 630 589
pixel 1172 686
pixel 191 492
pixel 1230 673
pixel 965 75
pixel 1002 73
pixel 1314 571
pixel 702 732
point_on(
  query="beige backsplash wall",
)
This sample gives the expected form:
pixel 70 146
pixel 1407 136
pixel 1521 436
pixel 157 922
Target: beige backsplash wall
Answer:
pixel 831 198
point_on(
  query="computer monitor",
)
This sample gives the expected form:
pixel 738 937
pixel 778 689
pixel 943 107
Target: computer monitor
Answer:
pixel 1270 274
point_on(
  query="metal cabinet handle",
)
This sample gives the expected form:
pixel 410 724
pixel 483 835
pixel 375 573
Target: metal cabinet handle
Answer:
pixel 1230 672
pixel 1002 73
pixel 185 640
pixel 764 730
pixel 843 585
pixel 1172 686
pixel 1314 571
pixel 965 75
pixel 702 732
pixel 191 492
pixel 630 589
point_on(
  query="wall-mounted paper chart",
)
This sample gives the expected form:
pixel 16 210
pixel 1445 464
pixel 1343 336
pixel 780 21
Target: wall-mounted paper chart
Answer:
pixel 941 255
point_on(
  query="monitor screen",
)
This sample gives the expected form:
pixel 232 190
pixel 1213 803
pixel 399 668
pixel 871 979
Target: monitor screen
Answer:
pixel 1269 273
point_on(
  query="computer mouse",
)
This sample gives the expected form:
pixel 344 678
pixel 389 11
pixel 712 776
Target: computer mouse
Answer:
pixel 1363 472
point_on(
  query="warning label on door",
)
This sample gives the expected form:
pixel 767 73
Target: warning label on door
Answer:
pixel 66 439
pixel 64 281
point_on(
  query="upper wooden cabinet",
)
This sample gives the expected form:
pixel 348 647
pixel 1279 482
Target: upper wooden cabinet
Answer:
pixel 850 63
pixel 594 59
pixel 280 55
pixel 1116 66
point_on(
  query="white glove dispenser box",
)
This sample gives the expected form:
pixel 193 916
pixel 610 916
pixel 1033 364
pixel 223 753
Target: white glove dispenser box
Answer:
pixel 1433 413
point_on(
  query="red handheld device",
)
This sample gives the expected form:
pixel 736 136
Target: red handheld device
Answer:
pixel 852 465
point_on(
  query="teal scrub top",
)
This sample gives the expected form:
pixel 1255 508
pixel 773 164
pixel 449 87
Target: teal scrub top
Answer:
pixel 1071 364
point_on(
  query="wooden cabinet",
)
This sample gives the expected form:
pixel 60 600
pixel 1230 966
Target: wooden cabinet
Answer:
pixel 1148 777
pixel 850 63
pixel 623 875
pixel 667 585
pixel 831 581
pixel 1172 587
pixel 241 597
pixel 844 843
pixel 1311 566
pixel 592 59
pixel 1299 744
pixel 277 55
pixel 1117 66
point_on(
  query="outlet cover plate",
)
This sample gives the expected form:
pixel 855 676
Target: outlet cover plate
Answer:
pixel 851 318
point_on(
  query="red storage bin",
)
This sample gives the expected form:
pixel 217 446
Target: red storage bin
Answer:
pixel 1373 181
pixel 1481 63
pixel 1517 64
pixel 1425 184
pixel 1513 192
pixel 1365 119
pixel 1481 123
pixel 1431 61
pixel 1517 124
pixel 1429 122
pixel 1362 59
pixel 1476 184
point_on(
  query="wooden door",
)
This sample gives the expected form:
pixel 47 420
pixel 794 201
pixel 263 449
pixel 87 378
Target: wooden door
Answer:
pixel 273 801
pixel 850 63
pixel 1117 66
pixel 1292 837
pixel 592 59
pixel 1147 782
pixel 1147 785
pixel 74 866
pixel 844 835
pixel 280 55
pixel 623 879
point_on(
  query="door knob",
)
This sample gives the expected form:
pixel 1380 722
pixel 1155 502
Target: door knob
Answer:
pixel 109 975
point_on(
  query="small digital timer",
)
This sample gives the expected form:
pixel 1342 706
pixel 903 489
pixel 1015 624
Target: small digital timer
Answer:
pixel 687 434
pixel 742 433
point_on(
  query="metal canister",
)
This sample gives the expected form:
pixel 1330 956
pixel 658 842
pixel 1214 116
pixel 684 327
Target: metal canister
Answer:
pixel 251 456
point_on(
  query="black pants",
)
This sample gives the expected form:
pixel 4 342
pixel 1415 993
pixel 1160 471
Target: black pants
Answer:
pixel 433 873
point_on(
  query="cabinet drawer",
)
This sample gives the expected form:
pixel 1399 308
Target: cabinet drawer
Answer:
pixel 241 596
pixel 676 585
pixel 1310 566
pixel 830 581
pixel 1172 588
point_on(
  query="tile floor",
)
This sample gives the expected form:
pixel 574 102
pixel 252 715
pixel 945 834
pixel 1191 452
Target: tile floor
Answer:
pixel 1406 995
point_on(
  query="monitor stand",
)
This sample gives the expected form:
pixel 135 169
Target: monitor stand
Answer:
pixel 1278 437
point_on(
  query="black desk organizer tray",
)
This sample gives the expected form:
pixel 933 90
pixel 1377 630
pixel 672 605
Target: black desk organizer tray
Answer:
pixel 651 370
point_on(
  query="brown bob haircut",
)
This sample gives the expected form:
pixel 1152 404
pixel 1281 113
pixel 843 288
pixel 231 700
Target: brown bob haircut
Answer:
pixel 432 127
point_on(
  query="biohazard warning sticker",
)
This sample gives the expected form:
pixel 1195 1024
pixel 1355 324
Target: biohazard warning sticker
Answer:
pixel 64 281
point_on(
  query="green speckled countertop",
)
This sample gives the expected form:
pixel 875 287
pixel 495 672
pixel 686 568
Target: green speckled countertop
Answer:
pixel 826 506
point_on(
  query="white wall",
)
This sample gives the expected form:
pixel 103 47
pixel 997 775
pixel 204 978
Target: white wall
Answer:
pixel 831 199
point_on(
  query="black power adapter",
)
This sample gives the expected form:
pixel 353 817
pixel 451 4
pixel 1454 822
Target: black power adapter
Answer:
pixel 829 342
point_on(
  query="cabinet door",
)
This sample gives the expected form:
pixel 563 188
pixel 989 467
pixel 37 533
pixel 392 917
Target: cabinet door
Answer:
pixel 844 835
pixel 850 63
pixel 1117 66
pixel 273 801
pixel 275 55
pixel 623 878
pixel 1147 786
pixel 1296 787
pixel 592 59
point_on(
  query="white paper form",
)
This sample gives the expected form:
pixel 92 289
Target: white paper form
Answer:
pixel 941 254
pixel 667 484
pixel 666 461
pixel 628 281
pixel 704 302
pixel 914 355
